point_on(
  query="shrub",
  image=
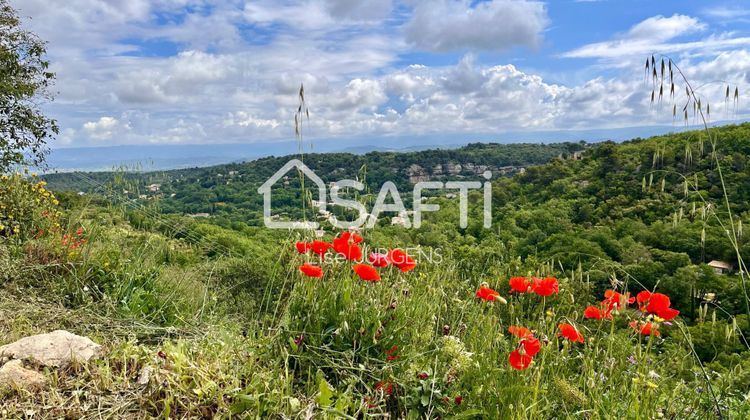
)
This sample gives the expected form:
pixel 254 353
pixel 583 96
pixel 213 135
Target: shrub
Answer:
pixel 27 209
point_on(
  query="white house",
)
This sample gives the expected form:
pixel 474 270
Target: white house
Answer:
pixel 720 267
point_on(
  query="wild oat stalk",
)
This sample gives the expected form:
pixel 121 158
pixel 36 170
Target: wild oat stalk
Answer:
pixel 702 114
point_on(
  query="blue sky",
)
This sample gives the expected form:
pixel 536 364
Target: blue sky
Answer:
pixel 225 71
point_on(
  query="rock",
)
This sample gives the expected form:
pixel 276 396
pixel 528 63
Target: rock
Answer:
pixel 14 375
pixel 56 349
pixel 145 375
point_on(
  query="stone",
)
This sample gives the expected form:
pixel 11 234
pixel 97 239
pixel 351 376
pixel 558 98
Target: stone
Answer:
pixel 56 349
pixel 14 375
pixel 145 375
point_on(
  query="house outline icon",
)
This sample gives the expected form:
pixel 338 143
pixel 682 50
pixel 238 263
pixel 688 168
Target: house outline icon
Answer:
pixel 265 189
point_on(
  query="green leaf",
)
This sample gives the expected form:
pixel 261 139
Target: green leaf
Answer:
pixel 325 391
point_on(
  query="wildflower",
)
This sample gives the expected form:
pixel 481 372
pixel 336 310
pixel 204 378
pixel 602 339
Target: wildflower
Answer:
pixel 615 300
pixel 391 353
pixel 656 303
pixel 518 360
pixel 519 284
pixel 401 260
pixel 592 312
pixel 302 247
pixel 351 237
pixel 545 287
pixel 531 345
pixel 647 328
pixel 346 247
pixel 458 400
pixel 571 333
pixel 422 376
pixel 485 293
pixel 311 270
pixel 667 314
pixel 385 387
pixel 520 332
pixel 319 247
pixel 366 272
pixel 446 329
pixel 378 260
pixel 299 339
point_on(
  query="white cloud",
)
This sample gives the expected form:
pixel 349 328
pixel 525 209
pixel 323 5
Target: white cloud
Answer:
pixel 449 25
pixel 660 28
pixel 102 129
pixel 657 35
pixel 359 9
pixel 224 71
pixel 724 12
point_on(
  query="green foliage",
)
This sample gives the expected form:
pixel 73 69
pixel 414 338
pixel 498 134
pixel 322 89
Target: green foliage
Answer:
pixel 27 209
pixel 24 80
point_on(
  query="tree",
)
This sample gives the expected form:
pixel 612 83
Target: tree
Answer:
pixel 25 80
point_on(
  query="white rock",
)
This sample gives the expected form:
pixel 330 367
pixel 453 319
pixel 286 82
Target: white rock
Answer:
pixel 56 349
pixel 14 375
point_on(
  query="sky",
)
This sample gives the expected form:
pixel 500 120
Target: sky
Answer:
pixel 228 71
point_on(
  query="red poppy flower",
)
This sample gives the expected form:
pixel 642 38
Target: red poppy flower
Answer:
pixel 386 387
pixel 378 260
pixel 401 260
pixel 391 353
pixel 645 329
pixel 311 270
pixel 348 249
pixel 592 312
pixel 658 302
pixel 519 284
pixel 531 345
pixel 458 400
pixel 642 299
pixel 485 293
pixel 520 332
pixel 351 237
pixel 302 247
pixel 616 300
pixel 366 272
pixel 668 314
pixel 545 287
pixel 518 360
pixel 319 247
pixel 571 333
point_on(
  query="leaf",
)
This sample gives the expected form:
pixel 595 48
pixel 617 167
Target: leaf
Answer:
pixel 325 392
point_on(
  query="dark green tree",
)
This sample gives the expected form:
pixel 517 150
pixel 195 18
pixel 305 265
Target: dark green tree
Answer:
pixel 25 81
